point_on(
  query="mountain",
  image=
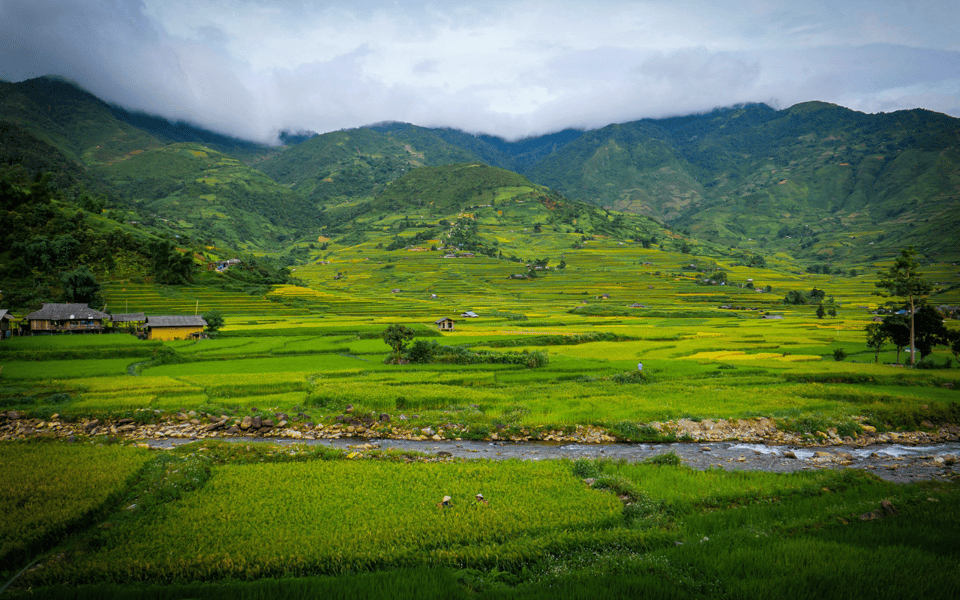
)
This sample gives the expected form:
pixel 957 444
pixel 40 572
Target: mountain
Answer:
pixel 173 177
pixel 817 181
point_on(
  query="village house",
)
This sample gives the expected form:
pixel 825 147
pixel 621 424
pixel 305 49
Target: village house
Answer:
pixel 445 324
pixel 175 327
pixel 129 322
pixel 6 319
pixel 66 317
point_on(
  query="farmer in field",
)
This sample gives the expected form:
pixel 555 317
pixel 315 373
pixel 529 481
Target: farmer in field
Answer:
pixel 445 503
pixel 480 499
pixel 640 367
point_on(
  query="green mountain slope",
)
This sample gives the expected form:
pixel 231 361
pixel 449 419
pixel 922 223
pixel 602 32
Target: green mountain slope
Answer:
pixel 76 122
pixel 345 166
pixel 210 197
pixel 144 167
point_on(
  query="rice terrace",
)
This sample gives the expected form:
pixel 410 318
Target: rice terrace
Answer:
pixel 200 387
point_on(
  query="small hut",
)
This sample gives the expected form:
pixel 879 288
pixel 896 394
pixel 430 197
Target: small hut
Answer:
pixel 6 319
pixel 445 324
pixel 129 322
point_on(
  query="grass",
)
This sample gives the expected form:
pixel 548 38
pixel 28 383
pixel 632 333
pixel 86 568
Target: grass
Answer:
pixel 216 520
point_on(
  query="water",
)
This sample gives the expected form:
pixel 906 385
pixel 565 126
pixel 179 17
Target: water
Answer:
pixel 893 462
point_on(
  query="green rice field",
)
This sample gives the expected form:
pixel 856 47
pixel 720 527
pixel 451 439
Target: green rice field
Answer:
pixel 544 354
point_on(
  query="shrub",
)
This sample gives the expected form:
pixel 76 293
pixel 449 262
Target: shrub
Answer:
pixel 839 354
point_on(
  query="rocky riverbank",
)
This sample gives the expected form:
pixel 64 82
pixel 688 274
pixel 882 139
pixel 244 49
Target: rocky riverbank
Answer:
pixel 194 425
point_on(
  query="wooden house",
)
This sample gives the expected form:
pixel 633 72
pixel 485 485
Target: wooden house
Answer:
pixel 445 324
pixel 6 319
pixel 75 318
pixel 129 322
pixel 175 327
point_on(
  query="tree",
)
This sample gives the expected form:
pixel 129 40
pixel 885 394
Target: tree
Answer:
pixel 953 336
pixel 168 265
pixel 897 330
pixel 214 319
pixel 930 330
pixel 820 311
pixel 903 280
pixel 396 336
pixel 832 312
pixel 81 287
pixel 876 338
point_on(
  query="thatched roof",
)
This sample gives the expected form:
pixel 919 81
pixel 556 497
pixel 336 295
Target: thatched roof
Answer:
pixel 5 314
pixel 176 321
pixel 66 312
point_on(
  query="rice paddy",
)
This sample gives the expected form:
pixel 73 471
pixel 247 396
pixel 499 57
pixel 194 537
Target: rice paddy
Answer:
pixel 210 517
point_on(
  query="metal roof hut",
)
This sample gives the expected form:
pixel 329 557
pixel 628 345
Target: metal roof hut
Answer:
pixel 445 324
pixel 165 327
pixel 75 318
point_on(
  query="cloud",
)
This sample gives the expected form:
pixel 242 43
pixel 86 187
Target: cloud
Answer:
pixel 251 68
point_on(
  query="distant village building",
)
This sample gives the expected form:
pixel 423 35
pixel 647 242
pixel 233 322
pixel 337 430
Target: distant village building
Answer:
pixel 6 320
pixel 445 324
pixel 223 265
pixel 75 318
pixel 175 327
pixel 469 314
pixel 129 322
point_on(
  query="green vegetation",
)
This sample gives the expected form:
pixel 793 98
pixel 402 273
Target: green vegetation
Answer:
pixel 352 244
pixel 213 520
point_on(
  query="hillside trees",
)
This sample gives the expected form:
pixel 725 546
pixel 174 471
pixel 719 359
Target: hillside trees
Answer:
pixel 168 265
pixel 81 287
pixel 903 280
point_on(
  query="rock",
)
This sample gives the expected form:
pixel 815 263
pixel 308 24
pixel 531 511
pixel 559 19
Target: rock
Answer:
pixel 192 414
pixel 13 415
pixel 348 409
pixel 91 425
pixel 444 454
pixel 268 423
pixel 384 418
pixel 888 508
pixel 246 423
pixel 124 421
pixel 821 455
pixel 949 459
pixel 256 422
pixel 282 424
pixel 403 417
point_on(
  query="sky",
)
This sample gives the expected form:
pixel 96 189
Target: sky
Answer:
pixel 517 68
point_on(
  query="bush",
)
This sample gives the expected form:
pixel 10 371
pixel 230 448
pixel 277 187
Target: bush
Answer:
pixel 839 354
pixel 930 363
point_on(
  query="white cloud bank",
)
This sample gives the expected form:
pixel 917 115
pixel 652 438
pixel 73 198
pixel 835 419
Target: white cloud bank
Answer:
pixel 251 68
